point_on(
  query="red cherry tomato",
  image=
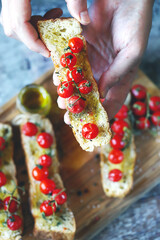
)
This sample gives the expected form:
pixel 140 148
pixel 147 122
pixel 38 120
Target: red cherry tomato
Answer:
pixel 119 126
pixel 139 109
pixel 90 130
pixel 68 60
pixel 142 123
pixel 117 142
pixel 75 44
pixel 123 112
pixel 29 129
pixel 115 175
pixel 11 205
pixel 47 186
pixel 59 198
pixel 2 144
pixel 75 74
pixel 138 92
pixel 75 104
pixel 48 208
pixel 39 173
pixel 115 156
pixel 3 179
pixel 14 222
pixel 85 87
pixel 45 140
pixel 154 103
pixel 45 160
pixel 155 118
pixel 1 204
pixel 65 89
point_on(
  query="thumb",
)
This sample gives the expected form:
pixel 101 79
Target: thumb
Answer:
pixel 78 9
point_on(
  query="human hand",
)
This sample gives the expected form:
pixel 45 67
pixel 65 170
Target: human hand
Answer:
pixel 18 23
pixel 117 37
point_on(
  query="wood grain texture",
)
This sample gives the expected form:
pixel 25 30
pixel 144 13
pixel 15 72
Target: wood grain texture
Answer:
pixel 80 170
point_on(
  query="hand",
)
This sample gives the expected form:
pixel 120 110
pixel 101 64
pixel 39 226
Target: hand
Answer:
pixel 117 37
pixel 18 23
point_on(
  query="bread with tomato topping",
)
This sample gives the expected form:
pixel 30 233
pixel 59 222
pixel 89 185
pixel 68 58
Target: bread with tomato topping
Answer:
pixel 60 225
pixel 56 34
pixel 9 189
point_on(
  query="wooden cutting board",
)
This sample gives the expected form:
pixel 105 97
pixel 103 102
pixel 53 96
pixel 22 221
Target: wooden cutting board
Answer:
pixel 80 170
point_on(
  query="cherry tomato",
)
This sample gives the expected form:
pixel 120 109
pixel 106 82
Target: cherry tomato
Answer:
pixel 119 126
pixel 115 156
pixel 142 123
pixel 117 142
pixel 45 160
pixel 138 92
pixel 48 208
pixel 65 89
pixel 85 87
pixel 115 175
pixel 44 140
pixel 39 173
pixel 75 44
pixel 155 118
pixel 11 205
pixel 75 104
pixel 3 179
pixel 139 109
pixel 47 186
pixel 29 129
pixel 68 60
pixel 90 130
pixel 123 112
pixel 1 204
pixel 14 222
pixel 2 144
pixel 75 74
pixel 59 198
pixel 154 103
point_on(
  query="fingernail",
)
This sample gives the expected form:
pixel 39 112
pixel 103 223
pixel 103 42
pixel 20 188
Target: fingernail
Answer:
pixel 84 17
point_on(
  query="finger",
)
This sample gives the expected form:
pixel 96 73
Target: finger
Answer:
pixel 118 93
pixel 78 9
pixel 53 13
pixel 125 60
pixel 61 103
pixel 66 118
pixel 56 80
pixel 5 19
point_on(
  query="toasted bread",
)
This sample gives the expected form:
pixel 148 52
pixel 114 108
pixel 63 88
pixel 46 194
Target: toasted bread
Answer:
pixel 55 34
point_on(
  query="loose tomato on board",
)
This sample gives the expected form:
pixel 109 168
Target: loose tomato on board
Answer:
pixel 11 204
pixel 2 143
pixel 154 103
pixel 3 179
pixel 138 92
pixel 39 173
pixel 139 109
pixel 14 222
pixel 65 89
pixel 123 113
pixel 119 126
pixel 45 140
pixel 85 86
pixel 117 142
pixel 115 175
pixel 75 104
pixel 155 118
pixel 45 160
pixel 142 123
pixel 48 208
pixel 68 60
pixel 75 74
pixel 60 198
pixel 29 129
pixel 75 44
pixel 90 131
pixel 47 186
pixel 115 156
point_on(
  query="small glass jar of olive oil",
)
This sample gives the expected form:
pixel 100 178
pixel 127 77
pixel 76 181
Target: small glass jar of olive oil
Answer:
pixel 34 98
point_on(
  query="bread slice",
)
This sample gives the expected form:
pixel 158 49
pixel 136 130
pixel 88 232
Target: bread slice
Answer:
pixel 56 34
pixel 60 225
pixel 8 168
